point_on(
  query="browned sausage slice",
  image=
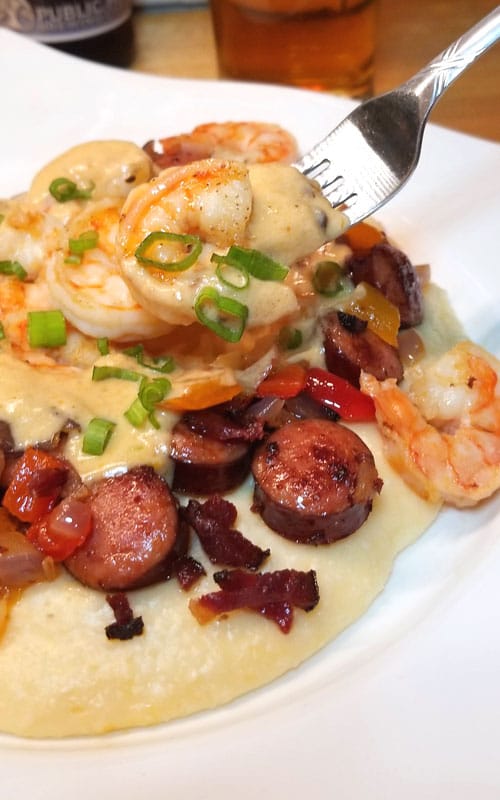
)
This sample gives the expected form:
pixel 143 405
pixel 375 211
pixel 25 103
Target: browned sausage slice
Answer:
pixel 204 465
pixel 135 524
pixel 314 481
pixel 351 347
pixel 390 271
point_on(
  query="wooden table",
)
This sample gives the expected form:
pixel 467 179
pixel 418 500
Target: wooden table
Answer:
pixel 180 43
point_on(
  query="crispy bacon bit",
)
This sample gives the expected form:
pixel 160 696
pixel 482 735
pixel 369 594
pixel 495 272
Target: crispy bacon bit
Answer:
pixel 271 594
pixel 223 427
pixel 212 521
pixel 188 571
pixel 126 625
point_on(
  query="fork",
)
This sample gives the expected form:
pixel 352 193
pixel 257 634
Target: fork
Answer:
pixel 370 155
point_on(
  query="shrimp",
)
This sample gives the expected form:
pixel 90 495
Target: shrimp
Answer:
pixel 270 208
pixel 27 233
pixel 107 168
pixel 443 436
pixel 91 293
pixel 250 142
pixel 212 200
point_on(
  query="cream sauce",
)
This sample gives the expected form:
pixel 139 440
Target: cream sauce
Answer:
pixel 290 217
pixel 37 402
pixel 113 167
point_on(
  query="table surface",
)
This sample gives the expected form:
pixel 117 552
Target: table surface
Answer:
pixel 178 41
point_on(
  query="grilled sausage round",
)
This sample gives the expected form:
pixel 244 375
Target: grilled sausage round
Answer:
pixel 351 347
pixel 314 481
pixel 390 271
pixel 135 524
pixel 205 465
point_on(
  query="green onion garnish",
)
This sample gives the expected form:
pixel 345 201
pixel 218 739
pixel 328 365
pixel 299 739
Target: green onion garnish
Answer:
pixel 160 244
pixel 103 373
pixel 63 189
pixel 157 363
pixel 290 338
pixel 153 392
pixel 2 332
pixel 233 275
pixel 103 345
pixel 222 315
pixel 136 414
pixel 46 328
pixel 254 262
pixel 86 241
pixel 150 393
pixel 97 436
pixel 2 217
pixel 13 268
pixel 328 278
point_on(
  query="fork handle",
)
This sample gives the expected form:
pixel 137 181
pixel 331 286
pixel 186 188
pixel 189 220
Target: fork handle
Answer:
pixel 433 79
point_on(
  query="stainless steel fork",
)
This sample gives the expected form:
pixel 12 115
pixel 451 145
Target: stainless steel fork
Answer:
pixel 370 155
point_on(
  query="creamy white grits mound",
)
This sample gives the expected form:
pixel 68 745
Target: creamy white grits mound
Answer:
pixel 66 678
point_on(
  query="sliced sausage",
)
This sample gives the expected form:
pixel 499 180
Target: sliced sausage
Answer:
pixel 204 465
pixel 390 271
pixel 135 525
pixel 314 481
pixel 350 346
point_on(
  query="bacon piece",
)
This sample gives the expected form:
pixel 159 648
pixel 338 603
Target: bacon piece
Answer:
pixel 212 521
pixel 274 595
pixel 188 571
pixel 126 625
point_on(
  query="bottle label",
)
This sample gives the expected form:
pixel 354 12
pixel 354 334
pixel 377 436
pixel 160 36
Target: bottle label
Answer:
pixel 57 21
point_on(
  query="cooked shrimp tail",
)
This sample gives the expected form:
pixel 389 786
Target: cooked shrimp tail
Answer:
pixel 443 436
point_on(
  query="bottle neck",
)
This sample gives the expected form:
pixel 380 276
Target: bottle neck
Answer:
pixel 62 21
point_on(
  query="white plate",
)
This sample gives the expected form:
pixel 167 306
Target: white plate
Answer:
pixel 406 704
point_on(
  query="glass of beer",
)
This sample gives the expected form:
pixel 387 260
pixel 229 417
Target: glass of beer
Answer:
pixel 315 44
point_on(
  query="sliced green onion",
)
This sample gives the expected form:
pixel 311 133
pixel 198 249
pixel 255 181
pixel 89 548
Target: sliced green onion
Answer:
pixel 2 217
pixel 153 392
pixel 290 338
pixel 86 241
pixel 13 268
pixel 222 315
pixel 254 262
pixel 63 189
pixel 233 275
pixel 46 328
pixel 97 436
pixel 328 278
pixel 2 332
pixel 157 363
pixel 103 345
pixel 73 259
pixel 105 372
pixel 150 393
pixel 136 414
pixel 160 243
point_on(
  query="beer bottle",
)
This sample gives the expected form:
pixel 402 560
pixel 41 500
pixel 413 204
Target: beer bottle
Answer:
pixel 100 30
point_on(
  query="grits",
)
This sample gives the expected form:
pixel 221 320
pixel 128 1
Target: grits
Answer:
pixel 61 675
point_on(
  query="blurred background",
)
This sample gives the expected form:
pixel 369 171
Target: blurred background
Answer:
pixel 176 38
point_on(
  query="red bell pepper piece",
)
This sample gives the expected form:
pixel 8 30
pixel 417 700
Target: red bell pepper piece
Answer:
pixel 63 529
pixel 36 485
pixel 338 394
